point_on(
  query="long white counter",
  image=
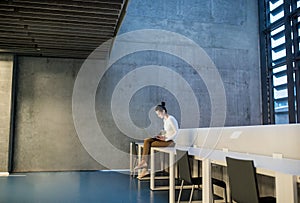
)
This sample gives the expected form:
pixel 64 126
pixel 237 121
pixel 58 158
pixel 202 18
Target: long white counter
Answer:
pixel 284 170
pixel 274 149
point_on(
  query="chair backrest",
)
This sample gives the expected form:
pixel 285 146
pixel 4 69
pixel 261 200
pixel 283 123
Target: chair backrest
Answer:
pixel 242 180
pixel 184 168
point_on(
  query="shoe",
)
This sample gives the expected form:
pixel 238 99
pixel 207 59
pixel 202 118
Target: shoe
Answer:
pixel 143 173
pixel 140 166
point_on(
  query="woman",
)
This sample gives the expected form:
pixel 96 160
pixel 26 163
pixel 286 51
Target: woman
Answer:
pixel 164 139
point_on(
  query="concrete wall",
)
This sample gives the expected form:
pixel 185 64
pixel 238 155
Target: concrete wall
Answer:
pixel 127 92
pixel 6 75
pixel 45 136
pixel 139 79
pixel 227 31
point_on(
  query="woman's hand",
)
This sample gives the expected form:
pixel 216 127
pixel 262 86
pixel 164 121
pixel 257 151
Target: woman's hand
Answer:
pixel 161 137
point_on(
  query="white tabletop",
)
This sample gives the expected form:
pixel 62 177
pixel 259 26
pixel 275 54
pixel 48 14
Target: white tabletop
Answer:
pixel 265 163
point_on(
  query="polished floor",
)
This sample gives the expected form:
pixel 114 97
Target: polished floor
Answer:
pixel 73 187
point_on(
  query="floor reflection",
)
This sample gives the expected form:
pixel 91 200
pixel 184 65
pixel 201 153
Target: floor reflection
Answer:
pixel 92 186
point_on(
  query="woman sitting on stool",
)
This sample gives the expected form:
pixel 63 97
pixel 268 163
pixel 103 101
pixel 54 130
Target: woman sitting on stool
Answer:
pixel 164 139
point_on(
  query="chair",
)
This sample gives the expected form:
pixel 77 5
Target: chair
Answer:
pixel 134 154
pixel 185 175
pixel 243 182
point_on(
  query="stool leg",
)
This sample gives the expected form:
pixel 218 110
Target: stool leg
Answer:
pixel 225 190
pixel 213 192
pixel 181 187
pixel 192 192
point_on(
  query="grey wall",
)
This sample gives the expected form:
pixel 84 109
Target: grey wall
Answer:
pixel 6 75
pixel 227 31
pixel 46 139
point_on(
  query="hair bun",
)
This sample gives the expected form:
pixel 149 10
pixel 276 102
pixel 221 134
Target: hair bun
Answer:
pixel 163 103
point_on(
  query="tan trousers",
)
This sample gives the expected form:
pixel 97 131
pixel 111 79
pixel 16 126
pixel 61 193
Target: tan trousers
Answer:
pixel 152 142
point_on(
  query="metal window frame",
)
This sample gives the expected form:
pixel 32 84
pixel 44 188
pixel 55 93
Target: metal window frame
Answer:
pixel 292 60
pixel 267 115
pixel 295 15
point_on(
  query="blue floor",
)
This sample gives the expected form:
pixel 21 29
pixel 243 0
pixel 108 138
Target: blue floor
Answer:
pixel 87 187
pixel 95 186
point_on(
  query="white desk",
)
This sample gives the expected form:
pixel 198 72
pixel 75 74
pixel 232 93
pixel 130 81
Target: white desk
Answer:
pixel 171 151
pixel 284 170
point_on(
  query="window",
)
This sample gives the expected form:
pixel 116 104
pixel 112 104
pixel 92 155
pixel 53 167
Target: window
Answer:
pixel 280 60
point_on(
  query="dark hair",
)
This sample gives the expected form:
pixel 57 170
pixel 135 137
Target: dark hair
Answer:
pixel 161 107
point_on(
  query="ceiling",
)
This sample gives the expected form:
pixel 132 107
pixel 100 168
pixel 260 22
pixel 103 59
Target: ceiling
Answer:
pixel 58 28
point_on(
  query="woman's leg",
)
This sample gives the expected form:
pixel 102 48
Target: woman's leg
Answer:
pixel 158 143
pixel 146 149
pixel 151 142
pixel 146 152
pixel 148 143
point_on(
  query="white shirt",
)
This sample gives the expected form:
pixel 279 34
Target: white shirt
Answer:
pixel 171 128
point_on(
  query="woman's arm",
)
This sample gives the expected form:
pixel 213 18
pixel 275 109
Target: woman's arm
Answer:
pixel 173 130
